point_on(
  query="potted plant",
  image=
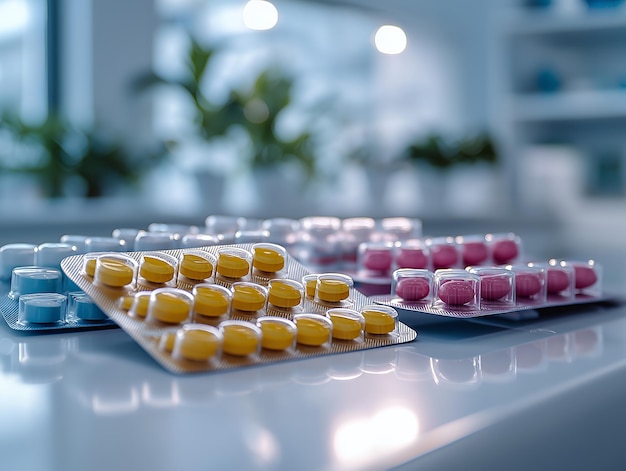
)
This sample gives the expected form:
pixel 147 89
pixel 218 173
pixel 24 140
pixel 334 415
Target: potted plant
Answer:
pixel 456 176
pixel 68 161
pixel 249 114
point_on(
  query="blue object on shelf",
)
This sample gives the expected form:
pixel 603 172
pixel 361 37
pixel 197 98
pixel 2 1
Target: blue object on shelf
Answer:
pixel 547 81
pixel 538 3
pixel 594 4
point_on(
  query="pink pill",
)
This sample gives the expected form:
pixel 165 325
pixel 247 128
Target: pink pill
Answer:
pixel 444 256
pixel 413 289
pixel 527 285
pixel 505 251
pixel 456 292
pixel 377 260
pixel 493 288
pixel 474 253
pixel 557 281
pixel 412 258
pixel 585 276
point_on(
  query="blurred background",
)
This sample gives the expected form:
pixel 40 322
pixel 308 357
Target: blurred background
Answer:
pixel 471 115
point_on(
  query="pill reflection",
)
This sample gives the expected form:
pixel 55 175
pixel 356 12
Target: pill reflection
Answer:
pixel 587 342
pixel 41 361
pixel 462 373
pixel 531 357
pixel 498 366
pixel 412 366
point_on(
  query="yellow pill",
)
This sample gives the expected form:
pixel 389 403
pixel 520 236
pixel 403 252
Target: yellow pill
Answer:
pixel 313 331
pixel 332 290
pixel 211 302
pixel 284 294
pixel 168 307
pixel 197 344
pixel 90 266
pixel 141 304
pixel 346 325
pixel 195 267
pixel 240 339
pixel 276 333
pixel 310 285
pixel 232 266
pixel 156 270
pixel 248 297
pixel 378 322
pixel 268 260
pixel 114 273
pixel 125 302
pixel 167 342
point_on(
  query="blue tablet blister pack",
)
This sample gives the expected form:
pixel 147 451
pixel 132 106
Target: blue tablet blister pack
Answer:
pixel 35 295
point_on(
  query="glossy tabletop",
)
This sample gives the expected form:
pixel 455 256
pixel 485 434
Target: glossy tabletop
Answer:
pixel 94 400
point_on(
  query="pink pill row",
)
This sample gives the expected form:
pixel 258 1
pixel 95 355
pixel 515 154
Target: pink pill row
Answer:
pixel 534 283
pixel 381 258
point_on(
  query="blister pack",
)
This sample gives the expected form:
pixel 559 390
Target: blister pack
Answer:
pixel 487 290
pixel 228 306
pixel 35 295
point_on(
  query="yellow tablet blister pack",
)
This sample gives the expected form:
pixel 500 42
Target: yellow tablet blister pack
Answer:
pixel 229 306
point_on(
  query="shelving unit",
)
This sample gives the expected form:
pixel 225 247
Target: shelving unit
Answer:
pixel 561 85
pixel 569 106
pixel 553 23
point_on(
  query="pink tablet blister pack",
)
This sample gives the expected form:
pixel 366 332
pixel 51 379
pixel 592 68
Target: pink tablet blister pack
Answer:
pixel 485 290
pixel 229 306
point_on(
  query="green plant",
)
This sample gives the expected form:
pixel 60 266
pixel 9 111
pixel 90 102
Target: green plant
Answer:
pixel 438 153
pixel 59 155
pixel 255 110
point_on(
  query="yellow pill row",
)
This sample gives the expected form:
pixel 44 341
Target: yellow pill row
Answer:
pixel 199 342
pixel 174 305
pixel 118 270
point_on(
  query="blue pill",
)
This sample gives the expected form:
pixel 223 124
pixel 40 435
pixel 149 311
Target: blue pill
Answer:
pixel 104 244
pixel 15 255
pixel 42 308
pixel 156 241
pixel 127 235
pixel 50 254
pixel 77 241
pixel 81 306
pixel 30 280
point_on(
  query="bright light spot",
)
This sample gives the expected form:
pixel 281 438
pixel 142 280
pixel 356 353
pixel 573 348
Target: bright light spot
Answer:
pixel 351 441
pixel 256 111
pixel 263 444
pixel 399 425
pixel 260 15
pixel 13 17
pixel 367 439
pixel 390 39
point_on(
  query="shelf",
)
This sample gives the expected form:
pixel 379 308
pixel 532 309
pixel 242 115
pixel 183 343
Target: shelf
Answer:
pixel 570 106
pixel 587 21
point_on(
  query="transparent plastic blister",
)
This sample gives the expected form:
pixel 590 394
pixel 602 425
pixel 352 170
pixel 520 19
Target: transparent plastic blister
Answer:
pixel 255 305
pixel 37 296
pixel 487 290
pixel 377 259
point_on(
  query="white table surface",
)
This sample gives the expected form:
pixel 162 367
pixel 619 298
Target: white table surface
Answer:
pixel 542 393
